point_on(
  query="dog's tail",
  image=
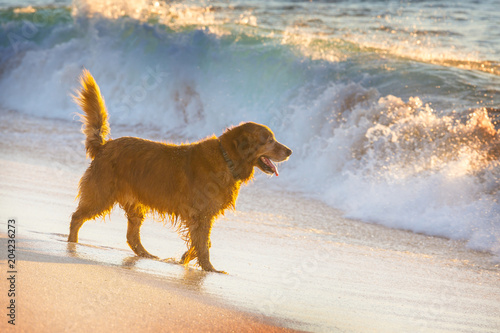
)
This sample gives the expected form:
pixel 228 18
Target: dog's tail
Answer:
pixel 94 117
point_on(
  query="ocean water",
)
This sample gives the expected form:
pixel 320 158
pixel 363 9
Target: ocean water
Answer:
pixel 391 107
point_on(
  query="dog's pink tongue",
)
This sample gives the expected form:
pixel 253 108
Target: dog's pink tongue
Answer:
pixel 271 165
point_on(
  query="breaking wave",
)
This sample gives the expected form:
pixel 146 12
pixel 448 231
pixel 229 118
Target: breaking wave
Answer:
pixel 384 138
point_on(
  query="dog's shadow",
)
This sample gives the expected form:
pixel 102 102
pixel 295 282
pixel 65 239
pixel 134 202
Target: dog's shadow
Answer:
pixel 130 262
pixel 192 277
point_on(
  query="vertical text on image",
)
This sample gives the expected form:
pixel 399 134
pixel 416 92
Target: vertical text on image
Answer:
pixel 11 271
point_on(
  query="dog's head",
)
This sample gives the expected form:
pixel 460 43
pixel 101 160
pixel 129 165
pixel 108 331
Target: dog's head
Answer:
pixel 256 146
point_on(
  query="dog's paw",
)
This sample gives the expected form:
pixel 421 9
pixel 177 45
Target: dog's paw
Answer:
pixel 212 269
pixel 148 255
pixel 221 272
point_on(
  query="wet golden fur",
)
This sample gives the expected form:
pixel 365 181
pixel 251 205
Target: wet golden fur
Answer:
pixel 191 184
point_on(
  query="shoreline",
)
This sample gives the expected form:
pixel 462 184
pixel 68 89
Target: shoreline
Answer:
pixel 292 261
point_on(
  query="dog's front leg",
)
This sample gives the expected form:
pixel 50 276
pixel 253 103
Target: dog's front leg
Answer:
pixel 199 234
pixel 188 256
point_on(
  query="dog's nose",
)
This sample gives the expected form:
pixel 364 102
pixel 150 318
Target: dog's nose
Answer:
pixel 288 151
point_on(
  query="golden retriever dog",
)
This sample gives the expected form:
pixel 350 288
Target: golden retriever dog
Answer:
pixel 189 184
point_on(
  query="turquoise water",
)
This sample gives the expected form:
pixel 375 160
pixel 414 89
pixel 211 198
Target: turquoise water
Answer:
pixel 391 107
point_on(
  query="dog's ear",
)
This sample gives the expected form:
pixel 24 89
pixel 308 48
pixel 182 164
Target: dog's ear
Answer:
pixel 242 145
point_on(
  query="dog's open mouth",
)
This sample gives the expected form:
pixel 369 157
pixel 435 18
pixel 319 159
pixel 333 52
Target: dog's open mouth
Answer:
pixel 267 166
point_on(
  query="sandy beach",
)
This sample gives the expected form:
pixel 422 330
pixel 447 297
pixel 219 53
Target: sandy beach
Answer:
pixel 293 263
pixel 58 294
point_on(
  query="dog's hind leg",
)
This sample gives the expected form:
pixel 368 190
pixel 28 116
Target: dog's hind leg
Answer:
pixel 135 216
pixel 96 199
pixel 87 210
pixel 82 214
pixel 77 220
